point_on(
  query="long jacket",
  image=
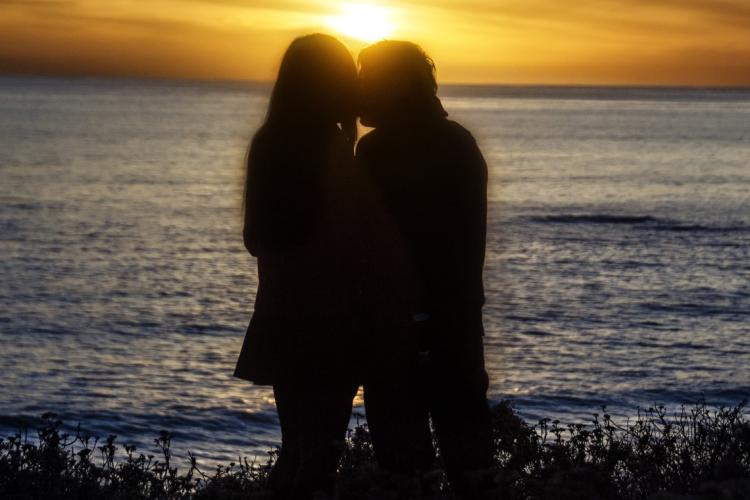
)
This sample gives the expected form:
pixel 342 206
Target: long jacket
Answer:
pixel 433 182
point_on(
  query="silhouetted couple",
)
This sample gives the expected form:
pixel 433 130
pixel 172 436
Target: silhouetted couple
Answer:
pixel 370 268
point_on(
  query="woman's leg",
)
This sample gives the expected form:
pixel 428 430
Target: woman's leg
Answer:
pixel 284 472
pixel 314 420
pixel 326 414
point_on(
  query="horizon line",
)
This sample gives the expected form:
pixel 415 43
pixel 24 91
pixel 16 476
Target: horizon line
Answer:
pixel 241 81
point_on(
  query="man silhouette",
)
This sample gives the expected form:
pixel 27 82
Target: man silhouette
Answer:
pixel 432 182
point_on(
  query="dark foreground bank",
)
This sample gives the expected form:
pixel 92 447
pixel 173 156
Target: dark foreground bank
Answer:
pixel 696 452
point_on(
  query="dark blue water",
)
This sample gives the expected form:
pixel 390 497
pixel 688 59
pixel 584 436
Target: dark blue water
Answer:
pixel 618 269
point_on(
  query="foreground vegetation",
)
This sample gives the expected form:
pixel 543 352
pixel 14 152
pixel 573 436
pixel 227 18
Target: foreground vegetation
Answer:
pixel 698 452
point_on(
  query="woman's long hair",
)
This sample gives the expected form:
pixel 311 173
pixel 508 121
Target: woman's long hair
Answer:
pixel 317 84
pixel 315 91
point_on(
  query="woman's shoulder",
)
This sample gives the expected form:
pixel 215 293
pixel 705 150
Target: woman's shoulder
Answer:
pixel 273 146
pixel 261 146
pixel 269 139
pixel 289 140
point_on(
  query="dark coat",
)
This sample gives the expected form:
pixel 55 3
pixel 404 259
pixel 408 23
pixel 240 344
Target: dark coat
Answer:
pixel 301 226
pixel 433 182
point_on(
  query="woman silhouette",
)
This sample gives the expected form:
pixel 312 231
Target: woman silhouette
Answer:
pixel 299 226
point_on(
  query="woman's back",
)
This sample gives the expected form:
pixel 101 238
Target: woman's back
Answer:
pixel 299 221
pixel 301 225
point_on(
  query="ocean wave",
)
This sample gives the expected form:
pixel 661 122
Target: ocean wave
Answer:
pixel 595 219
pixel 676 227
pixel 638 221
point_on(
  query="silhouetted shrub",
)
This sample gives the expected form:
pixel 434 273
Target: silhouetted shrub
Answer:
pixel 697 453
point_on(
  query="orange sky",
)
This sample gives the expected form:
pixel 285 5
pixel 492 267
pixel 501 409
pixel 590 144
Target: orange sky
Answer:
pixel 673 42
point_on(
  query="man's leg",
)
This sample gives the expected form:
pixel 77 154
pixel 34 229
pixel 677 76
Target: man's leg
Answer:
pixel 459 408
pixel 398 419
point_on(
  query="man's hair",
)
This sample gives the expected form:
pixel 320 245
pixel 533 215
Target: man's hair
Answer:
pixel 405 59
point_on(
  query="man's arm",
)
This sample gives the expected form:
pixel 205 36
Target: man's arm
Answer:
pixel 468 218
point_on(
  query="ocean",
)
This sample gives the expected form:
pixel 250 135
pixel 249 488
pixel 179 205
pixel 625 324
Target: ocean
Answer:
pixel 617 273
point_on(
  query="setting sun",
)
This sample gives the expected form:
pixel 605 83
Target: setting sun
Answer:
pixel 363 21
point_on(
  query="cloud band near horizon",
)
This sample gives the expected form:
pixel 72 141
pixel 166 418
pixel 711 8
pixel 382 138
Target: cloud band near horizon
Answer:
pixel 664 42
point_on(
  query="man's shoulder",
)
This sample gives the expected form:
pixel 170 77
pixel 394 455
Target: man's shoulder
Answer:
pixel 455 132
pixel 439 135
pixel 368 141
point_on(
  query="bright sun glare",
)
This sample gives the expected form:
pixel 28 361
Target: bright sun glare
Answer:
pixel 364 21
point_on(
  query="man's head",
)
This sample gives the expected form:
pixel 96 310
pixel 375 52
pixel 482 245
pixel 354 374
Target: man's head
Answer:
pixel 396 78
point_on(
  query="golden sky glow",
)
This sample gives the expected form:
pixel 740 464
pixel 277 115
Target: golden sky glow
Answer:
pixel 678 42
pixel 366 22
